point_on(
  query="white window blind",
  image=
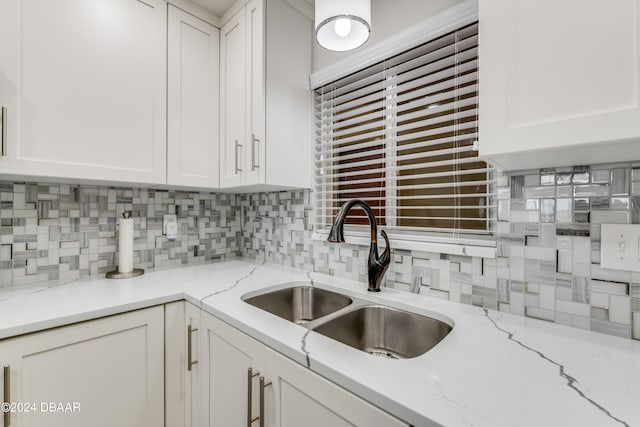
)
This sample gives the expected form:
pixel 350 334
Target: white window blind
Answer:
pixel 399 135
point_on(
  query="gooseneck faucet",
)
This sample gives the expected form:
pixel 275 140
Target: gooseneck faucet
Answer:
pixel 377 265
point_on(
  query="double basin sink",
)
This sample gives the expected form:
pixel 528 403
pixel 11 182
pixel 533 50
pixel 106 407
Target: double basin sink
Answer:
pixel 374 328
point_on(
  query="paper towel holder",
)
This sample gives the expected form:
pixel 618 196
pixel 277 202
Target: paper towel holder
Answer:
pixel 115 274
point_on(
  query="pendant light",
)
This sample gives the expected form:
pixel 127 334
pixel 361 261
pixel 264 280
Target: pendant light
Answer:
pixel 342 24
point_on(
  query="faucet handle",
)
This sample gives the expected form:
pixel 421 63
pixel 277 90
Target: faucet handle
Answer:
pixel 385 258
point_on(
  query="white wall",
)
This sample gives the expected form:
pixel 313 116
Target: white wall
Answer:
pixel 388 17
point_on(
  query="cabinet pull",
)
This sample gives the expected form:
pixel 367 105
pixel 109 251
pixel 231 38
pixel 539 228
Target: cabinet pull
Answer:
pixel 254 142
pixel 3 150
pixel 190 361
pixel 7 395
pixel 236 148
pixel 250 376
pixel 263 385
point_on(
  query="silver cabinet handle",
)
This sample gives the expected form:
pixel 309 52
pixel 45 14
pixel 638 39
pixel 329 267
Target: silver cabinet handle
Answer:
pixel 190 361
pixel 3 149
pixel 238 169
pixel 250 376
pixel 254 142
pixel 263 385
pixel 7 395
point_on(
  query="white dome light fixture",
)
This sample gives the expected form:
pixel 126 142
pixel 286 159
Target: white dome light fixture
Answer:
pixel 342 25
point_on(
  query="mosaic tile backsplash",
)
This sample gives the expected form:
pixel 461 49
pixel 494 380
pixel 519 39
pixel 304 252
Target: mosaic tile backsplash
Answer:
pixel 548 249
pixel 548 242
pixel 64 232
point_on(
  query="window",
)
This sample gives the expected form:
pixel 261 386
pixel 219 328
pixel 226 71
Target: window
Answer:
pixel 400 135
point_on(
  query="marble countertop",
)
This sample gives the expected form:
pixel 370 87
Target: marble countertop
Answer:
pixel 493 369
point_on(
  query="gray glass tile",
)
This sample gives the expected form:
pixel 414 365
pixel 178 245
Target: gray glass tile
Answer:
pixel 611 328
pixel 504 210
pixel 532 180
pixel 619 203
pixel 573 229
pixel 581 289
pixel 635 188
pixel 502 249
pixel 564 191
pixel 504 193
pixel 564 211
pixel 635 210
pixel 581 217
pixel 503 290
pixel 564 287
pixel 580 177
pixel 532 204
pixel 600 176
pixel 581 204
pixel 600 203
pixel 563 178
pixel 517 187
pixel 525 216
pixel 516 286
pixel 517 205
pixel 611 217
pixel 600 313
pixel 635 174
pixel 532 229
pixel 620 179
pixel 539 192
pixel 540 313
pixel 547 210
pixel 532 241
pixel 548 177
pixel 590 190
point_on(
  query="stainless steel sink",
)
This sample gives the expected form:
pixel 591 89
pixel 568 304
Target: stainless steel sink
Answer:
pixel 385 331
pixel 300 304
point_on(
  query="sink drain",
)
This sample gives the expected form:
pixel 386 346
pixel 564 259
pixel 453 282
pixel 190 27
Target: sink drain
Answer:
pixel 382 353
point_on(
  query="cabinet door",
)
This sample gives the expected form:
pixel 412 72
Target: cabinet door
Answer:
pixel 303 398
pixel 112 369
pixel 232 100
pixel 227 354
pixel 193 79
pixel 89 81
pixel 182 372
pixel 192 368
pixel 559 76
pixel 254 164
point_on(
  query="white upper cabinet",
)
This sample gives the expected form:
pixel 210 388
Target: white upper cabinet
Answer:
pixel 232 99
pixel 559 82
pixel 193 77
pixel 84 83
pixel 265 115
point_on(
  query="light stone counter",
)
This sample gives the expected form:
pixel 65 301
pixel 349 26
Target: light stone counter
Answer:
pixel 492 370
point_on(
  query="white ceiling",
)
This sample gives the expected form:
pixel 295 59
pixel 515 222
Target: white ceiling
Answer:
pixel 216 6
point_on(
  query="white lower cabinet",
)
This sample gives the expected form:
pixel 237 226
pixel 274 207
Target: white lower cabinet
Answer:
pixel 227 354
pixel 106 372
pixel 294 396
pixel 301 397
pixel 182 368
pixel 171 365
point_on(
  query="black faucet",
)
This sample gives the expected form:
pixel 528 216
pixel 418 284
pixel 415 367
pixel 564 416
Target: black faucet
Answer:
pixel 377 264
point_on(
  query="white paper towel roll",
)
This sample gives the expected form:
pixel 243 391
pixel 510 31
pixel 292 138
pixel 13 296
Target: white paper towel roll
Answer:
pixel 125 245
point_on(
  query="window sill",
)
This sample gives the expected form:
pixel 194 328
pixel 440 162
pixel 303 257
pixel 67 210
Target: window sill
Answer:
pixel 444 245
